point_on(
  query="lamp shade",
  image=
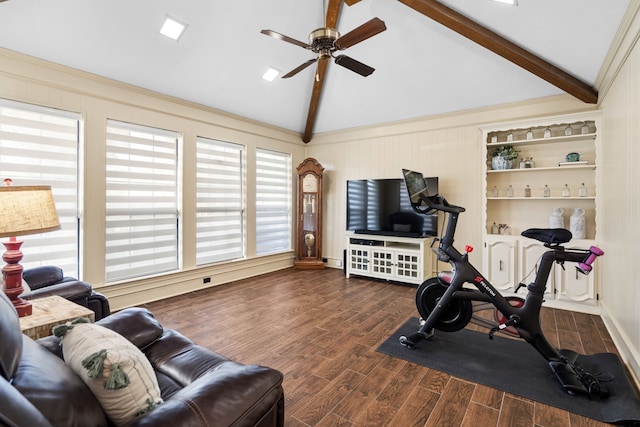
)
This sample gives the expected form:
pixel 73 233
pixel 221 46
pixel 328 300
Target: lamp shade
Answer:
pixel 27 210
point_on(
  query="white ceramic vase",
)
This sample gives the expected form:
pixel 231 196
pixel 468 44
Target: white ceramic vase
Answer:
pixel 556 219
pixel 577 224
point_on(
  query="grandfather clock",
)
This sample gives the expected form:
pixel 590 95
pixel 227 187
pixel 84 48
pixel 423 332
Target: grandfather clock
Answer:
pixel 309 219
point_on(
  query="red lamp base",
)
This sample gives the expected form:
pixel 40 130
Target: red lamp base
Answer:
pixel 12 277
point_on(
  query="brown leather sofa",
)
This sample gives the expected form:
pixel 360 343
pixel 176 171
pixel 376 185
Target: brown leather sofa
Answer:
pixel 198 386
pixel 48 280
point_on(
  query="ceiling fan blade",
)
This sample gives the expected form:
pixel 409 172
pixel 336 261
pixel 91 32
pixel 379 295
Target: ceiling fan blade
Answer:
pixel 351 2
pixel 299 68
pixel 288 39
pixel 355 66
pixel 318 83
pixel 363 32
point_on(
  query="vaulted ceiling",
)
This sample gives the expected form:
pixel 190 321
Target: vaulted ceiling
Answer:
pixel 433 58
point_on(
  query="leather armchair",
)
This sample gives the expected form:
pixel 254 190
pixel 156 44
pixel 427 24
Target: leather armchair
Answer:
pixel 199 387
pixel 48 280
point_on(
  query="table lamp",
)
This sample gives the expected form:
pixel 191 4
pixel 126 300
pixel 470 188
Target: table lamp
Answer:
pixel 23 210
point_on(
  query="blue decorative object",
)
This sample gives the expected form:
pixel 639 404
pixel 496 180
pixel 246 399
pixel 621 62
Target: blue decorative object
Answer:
pixel 573 157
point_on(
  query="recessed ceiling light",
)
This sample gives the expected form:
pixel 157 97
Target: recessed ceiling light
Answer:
pixel 511 2
pixel 270 74
pixel 172 28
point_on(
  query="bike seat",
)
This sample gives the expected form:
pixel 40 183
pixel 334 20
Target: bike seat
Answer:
pixel 550 236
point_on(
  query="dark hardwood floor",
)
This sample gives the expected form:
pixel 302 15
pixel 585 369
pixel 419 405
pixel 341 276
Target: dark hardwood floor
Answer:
pixel 321 330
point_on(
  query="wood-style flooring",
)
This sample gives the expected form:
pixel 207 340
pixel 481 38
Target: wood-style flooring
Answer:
pixel 321 330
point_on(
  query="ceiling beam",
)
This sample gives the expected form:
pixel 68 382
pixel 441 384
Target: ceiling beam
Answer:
pixel 318 83
pixel 331 21
pixel 505 48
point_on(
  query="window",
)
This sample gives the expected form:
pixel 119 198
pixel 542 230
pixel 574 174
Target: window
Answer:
pixel 219 201
pixel 39 146
pixel 141 201
pixel 273 202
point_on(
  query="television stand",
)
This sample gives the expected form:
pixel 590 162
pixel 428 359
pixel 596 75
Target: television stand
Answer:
pixel 396 258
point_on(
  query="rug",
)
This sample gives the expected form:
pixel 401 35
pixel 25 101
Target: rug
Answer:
pixel 516 367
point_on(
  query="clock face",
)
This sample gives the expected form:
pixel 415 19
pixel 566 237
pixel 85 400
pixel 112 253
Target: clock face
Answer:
pixel 310 184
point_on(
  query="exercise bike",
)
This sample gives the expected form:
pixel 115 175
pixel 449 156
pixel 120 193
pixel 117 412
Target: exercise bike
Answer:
pixel 446 304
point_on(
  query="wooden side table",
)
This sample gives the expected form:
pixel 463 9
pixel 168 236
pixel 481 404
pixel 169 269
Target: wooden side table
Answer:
pixel 49 312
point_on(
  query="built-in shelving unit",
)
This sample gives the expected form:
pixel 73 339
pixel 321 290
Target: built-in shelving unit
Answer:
pixel 508 257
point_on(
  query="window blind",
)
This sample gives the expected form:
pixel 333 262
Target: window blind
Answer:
pixel 219 201
pixel 39 146
pixel 273 202
pixel 141 201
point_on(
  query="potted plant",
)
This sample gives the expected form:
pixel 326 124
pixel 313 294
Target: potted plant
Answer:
pixel 503 157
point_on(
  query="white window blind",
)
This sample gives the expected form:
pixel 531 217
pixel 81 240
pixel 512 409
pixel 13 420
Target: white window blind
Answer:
pixel 39 146
pixel 273 202
pixel 141 201
pixel 219 201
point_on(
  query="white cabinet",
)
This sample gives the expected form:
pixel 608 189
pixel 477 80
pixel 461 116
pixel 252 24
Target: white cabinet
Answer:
pixel 573 286
pixel 509 258
pixel 401 259
pixel 500 263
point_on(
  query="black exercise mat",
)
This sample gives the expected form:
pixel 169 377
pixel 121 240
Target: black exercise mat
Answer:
pixel 516 367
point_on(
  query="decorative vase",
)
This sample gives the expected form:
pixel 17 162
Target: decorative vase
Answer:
pixel 556 219
pixel 501 163
pixel 577 224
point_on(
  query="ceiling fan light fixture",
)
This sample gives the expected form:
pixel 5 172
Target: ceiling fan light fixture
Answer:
pixel 510 2
pixel 270 74
pixel 172 28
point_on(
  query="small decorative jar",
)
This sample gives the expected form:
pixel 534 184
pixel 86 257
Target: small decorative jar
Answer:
pixel 568 131
pixel 582 191
pixel 585 128
pixel 566 192
pixel 527 191
pixel 510 191
pixel 546 192
pixel 529 163
pixel 495 229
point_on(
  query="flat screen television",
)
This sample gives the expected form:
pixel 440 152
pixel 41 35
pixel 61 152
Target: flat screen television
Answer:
pixel 382 206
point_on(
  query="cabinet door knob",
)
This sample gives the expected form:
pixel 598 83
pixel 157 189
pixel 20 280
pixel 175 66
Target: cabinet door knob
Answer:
pixel 500 265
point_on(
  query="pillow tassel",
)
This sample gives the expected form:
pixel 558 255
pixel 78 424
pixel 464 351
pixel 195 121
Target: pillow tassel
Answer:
pixel 117 378
pixel 94 364
pixel 61 330
pixel 150 405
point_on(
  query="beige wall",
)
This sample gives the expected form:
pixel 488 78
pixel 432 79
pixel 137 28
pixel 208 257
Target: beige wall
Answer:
pixel 34 81
pixel 620 205
pixel 449 146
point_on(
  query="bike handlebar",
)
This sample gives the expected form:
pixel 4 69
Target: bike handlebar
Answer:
pixel 439 203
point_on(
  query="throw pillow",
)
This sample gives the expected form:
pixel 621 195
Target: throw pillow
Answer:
pixel 116 371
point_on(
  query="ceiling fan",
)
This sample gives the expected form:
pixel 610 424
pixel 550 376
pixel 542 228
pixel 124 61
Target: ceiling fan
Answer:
pixel 325 42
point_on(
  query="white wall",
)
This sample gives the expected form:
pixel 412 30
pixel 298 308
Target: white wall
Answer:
pixel 34 81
